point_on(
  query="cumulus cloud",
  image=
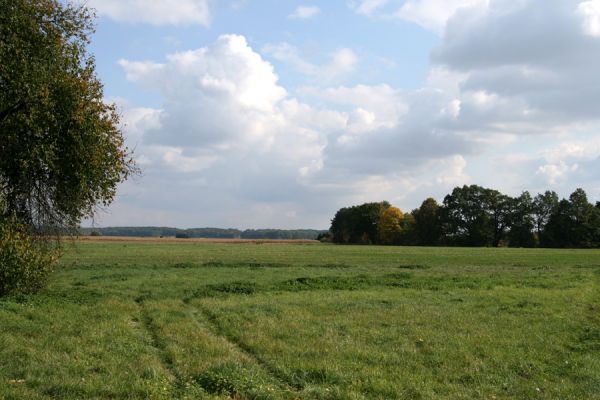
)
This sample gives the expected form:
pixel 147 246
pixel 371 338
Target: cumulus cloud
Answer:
pixel 375 107
pixel 434 14
pixel 342 62
pixel 590 11
pixel 368 7
pixel 305 12
pixel 203 88
pixel 227 125
pixel 429 14
pixel 155 12
pixel 507 77
pixel 530 62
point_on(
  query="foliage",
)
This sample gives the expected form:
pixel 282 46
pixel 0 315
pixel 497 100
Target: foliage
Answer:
pixel 544 205
pixel 574 223
pixel 357 224
pixel 24 262
pixel 522 222
pixel 61 150
pixel 476 216
pixel 427 224
pixel 390 226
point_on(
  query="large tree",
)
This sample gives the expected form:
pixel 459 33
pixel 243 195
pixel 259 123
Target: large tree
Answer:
pixel 62 153
pixel 61 150
pixel 427 223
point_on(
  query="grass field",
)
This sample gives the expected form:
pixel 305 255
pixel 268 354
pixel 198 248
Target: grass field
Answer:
pixel 138 320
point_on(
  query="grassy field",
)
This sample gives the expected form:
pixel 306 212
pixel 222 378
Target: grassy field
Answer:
pixel 127 320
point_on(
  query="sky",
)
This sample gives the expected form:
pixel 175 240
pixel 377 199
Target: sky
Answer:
pixel 276 113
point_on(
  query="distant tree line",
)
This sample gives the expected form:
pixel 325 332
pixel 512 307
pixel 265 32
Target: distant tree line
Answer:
pixel 475 216
pixel 206 233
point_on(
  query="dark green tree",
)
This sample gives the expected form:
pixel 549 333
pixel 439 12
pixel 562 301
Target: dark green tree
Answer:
pixel 427 227
pixel 475 216
pixel 521 222
pixel 357 224
pixel 574 223
pixel 544 205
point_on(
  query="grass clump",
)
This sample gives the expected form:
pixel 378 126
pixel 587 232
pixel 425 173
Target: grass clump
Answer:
pixel 237 381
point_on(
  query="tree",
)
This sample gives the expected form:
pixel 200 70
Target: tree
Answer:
pixel 574 223
pixel 558 231
pixel 544 205
pixel 357 224
pixel 390 226
pixel 427 223
pixel 521 222
pixel 62 153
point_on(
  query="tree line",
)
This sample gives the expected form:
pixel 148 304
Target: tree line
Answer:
pixel 204 233
pixel 475 216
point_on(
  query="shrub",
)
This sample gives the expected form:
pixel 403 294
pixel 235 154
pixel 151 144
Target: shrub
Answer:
pixel 24 261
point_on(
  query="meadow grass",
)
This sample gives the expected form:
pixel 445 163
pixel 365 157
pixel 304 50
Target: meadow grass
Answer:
pixel 125 320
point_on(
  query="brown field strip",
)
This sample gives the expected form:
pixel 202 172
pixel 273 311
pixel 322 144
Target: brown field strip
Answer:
pixel 191 240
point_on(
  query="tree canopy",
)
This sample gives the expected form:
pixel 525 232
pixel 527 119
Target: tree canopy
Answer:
pixel 477 216
pixel 61 150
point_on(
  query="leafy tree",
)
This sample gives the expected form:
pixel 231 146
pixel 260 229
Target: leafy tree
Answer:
pixel 499 207
pixel 574 223
pixel 357 224
pixel 408 230
pixel 544 205
pixel 427 223
pixel 522 223
pixel 558 231
pixel 61 150
pixel 390 226
pixel 466 222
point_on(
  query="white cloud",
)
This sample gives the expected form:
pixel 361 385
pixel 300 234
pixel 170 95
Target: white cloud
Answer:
pixel 155 12
pixel 590 11
pixel 554 173
pixel 522 74
pixel 511 86
pixel 305 12
pixel 434 14
pixel 227 125
pixel 342 64
pixel 368 7
pixel 203 88
pixel 377 106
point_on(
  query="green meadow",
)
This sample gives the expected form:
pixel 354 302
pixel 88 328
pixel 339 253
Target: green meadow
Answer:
pixel 128 320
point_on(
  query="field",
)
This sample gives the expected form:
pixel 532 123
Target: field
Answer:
pixel 163 320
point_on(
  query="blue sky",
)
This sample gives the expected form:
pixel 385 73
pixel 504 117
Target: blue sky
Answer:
pixel 250 113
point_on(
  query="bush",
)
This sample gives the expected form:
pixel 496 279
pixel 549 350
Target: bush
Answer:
pixel 24 261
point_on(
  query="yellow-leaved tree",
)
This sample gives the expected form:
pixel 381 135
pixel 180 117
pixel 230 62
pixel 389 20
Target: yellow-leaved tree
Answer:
pixel 390 225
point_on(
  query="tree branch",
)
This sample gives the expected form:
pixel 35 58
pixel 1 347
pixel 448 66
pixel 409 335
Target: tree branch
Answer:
pixel 4 114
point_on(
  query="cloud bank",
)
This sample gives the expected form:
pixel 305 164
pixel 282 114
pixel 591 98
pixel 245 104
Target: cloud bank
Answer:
pixel 155 12
pixel 511 102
